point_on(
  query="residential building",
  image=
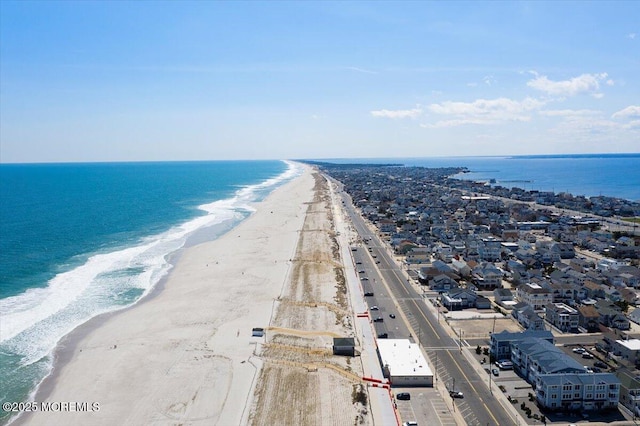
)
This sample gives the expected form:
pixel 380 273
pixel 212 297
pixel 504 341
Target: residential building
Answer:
pixel 588 318
pixel 628 349
pixel 578 391
pixel 629 391
pixel 534 295
pixel 527 317
pixel 458 298
pixel 500 346
pixel 487 276
pixel 563 317
pixel 442 282
pixel 504 297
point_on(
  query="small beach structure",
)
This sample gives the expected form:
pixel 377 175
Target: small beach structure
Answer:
pixel 344 346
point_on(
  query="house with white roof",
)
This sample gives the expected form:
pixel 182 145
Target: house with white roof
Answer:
pixel 628 349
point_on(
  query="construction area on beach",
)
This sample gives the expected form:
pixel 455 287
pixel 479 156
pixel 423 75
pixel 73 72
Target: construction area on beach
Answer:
pixel 301 381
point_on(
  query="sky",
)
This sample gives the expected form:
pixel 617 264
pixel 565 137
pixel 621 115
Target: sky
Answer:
pixel 213 80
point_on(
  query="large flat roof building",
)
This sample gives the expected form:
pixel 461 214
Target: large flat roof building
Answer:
pixel 403 363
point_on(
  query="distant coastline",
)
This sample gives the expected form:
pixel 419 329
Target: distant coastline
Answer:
pixel 588 175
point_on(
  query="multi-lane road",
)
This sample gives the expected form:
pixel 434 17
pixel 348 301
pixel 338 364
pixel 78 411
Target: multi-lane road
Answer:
pixel 391 294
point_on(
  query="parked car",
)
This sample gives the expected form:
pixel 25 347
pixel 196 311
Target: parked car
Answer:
pixel 587 355
pixel 374 308
pixel 368 293
pixel 410 424
pixel 600 364
pixel 495 371
pixel 405 396
pixel 504 365
pixel 456 394
pixel 378 319
pixel 383 336
pixel 578 350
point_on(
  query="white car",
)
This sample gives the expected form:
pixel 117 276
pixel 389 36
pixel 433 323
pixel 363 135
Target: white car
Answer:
pixel 374 308
pixel 578 350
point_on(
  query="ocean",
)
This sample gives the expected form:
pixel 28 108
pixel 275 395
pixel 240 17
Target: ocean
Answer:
pixel 79 240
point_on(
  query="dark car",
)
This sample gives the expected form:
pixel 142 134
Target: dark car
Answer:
pixel 368 293
pixel 600 364
pixel 378 319
pixel 392 315
pixel 405 396
pixel 383 336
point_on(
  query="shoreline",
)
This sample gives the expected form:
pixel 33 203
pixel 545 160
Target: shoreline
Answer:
pixel 90 344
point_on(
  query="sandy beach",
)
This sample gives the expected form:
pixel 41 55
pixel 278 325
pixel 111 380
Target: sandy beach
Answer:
pixel 186 355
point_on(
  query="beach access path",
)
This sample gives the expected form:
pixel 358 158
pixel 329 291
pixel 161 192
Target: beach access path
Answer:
pixel 185 354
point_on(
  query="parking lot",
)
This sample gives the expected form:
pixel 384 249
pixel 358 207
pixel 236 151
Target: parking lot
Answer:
pixel 425 403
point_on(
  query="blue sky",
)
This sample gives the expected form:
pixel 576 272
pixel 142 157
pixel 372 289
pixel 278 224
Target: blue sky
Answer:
pixel 131 81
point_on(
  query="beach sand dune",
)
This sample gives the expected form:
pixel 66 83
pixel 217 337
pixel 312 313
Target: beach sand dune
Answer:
pixel 301 382
pixel 186 354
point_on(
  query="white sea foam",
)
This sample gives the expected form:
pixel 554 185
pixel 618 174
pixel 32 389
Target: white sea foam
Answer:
pixel 35 321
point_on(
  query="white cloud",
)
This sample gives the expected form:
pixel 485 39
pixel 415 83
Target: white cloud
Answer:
pixel 362 70
pixel 632 112
pixel 484 111
pixel 489 80
pixel 585 83
pixel 632 36
pixel 402 113
pixel 570 113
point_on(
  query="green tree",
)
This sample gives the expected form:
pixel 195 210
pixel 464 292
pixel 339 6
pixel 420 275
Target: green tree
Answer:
pixel 622 304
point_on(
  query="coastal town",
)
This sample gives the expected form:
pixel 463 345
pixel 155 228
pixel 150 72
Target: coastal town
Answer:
pixel 543 286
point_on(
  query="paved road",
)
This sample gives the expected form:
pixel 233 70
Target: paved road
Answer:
pixel 478 407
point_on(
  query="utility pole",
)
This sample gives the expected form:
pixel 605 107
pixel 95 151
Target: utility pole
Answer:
pixel 436 372
pixel 452 398
pixel 490 373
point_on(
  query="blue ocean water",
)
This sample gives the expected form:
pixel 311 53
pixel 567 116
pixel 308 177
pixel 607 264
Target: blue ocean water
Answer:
pixel 612 175
pixel 78 240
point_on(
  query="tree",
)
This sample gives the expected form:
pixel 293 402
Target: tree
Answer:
pixel 622 304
